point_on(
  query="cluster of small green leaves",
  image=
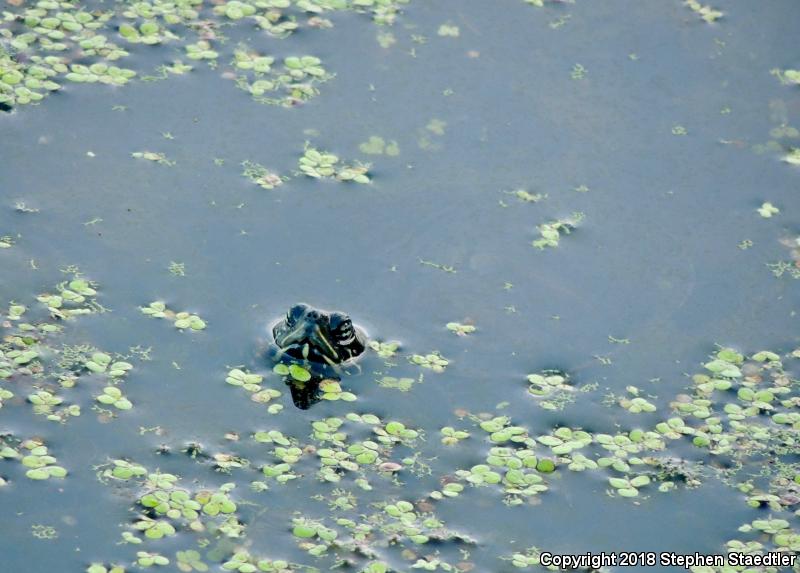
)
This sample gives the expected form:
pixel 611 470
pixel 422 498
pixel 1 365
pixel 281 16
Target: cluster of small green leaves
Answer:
pixel 530 557
pixel 100 568
pixel 460 329
pixel 432 360
pixel 73 298
pixel 512 464
pixel 287 454
pixel 551 388
pixel 787 77
pixel 243 562
pixel 252 383
pixel 552 231
pixel 27 353
pixel 384 12
pixel 164 506
pixel 267 14
pixel 45 403
pixel 376 145
pixel 324 165
pixel 340 454
pixel 293 83
pixel 40 42
pixel 398 523
pixel 759 404
pixel 153 156
pixel 34 455
pixel 634 403
pixel 385 349
pixel 262 176
pixel 707 13
pixel 181 320
pixel 36 42
pixel 22 84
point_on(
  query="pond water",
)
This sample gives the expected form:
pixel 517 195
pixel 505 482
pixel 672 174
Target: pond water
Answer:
pixel 606 191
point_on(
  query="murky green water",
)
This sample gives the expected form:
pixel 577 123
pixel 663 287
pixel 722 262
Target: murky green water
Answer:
pixel 656 134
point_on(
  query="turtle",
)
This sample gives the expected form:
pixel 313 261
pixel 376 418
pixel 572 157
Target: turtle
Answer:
pixel 318 336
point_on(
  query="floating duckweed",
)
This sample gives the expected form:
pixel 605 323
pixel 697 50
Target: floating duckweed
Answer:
pixel 262 176
pixel 434 361
pixel 767 210
pixel 112 396
pixel 159 158
pixel 401 384
pixel 145 559
pixel 41 464
pixel 69 303
pixel 451 436
pixel 564 440
pixel 101 362
pixel 201 50
pixel 165 505
pixel 527 197
pixel 181 320
pixel 551 231
pixel 156 309
pixel 296 83
pixel 578 463
pixel 5 395
pixel 243 378
pixel 529 557
pixel 551 388
pixel 332 390
pixel 154 529
pixel 793 157
pixel 515 467
pixel 124 470
pixel 385 349
pixel 190 560
pixel 272 436
pixel 636 404
pixel 460 329
pixel 100 568
pixel 44 403
pixel 789 77
pixel 629 487
pixel 375 567
pixel 707 13
pixel 99 72
pixel 433 564
pixel 21 84
pixel 317 539
pixel 148 32
pixel 376 145
pixel 339 456
pixel 38 31
pixel 324 165
pixel 271 20
pixel 243 562
pixel 448 30
pixel 579 72
pixel 295 371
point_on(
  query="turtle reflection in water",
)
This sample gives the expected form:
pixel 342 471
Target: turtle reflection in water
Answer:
pixel 319 339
